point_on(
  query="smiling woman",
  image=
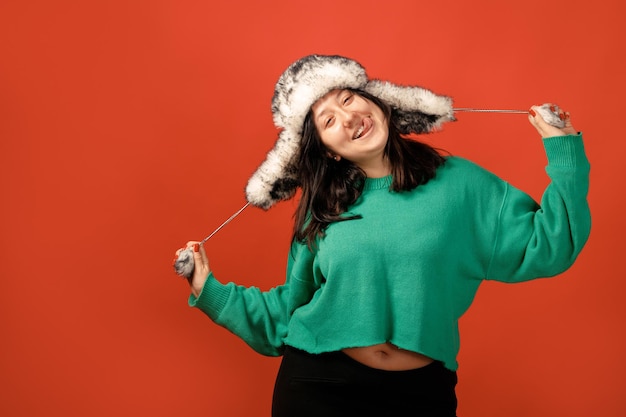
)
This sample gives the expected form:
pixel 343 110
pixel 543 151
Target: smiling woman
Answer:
pixel 353 128
pixel 391 242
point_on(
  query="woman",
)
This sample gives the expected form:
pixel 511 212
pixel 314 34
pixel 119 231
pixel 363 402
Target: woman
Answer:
pixel 391 241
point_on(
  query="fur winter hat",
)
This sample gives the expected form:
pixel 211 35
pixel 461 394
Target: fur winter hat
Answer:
pixel 414 110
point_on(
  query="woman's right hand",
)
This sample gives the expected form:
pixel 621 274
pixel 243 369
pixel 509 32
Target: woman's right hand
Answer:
pixel 201 266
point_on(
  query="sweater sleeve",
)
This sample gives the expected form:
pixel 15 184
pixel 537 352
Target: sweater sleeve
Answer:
pixel 260 318
pixel 533 241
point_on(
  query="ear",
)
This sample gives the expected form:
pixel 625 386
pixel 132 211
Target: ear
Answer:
pixel 337 158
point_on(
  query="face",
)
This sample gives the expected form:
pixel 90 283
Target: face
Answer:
pixel 353 128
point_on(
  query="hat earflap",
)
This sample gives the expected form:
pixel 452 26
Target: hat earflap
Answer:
pixel 414 109
pixel 276 178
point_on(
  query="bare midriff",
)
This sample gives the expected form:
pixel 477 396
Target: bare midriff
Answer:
pixel 388 357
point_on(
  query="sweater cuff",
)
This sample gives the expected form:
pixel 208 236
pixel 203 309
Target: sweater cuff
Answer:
pixel 212 298
pixel 566 151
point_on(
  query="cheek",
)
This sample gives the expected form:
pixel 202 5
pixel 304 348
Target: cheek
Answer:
pixel 330 139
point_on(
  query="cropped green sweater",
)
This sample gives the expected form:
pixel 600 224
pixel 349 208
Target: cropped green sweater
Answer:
pixel 410 267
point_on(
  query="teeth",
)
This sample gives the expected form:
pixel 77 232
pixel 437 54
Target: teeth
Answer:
pixel 358 132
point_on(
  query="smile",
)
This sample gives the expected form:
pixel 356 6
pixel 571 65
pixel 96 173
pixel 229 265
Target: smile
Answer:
pixel 365 127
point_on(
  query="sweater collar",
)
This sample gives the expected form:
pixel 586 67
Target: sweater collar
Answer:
pixel 377 183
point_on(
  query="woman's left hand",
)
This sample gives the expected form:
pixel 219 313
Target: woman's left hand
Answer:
pixel 546 130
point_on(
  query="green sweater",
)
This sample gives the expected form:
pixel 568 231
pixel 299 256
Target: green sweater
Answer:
pixel 410 267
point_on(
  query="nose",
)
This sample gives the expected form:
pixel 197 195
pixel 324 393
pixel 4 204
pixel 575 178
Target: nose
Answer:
pixel 348 117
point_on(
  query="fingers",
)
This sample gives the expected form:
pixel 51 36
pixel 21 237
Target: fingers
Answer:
pixel 199 254
pixel 569 128
pixel 197 271
pixel 535 118
pixel 190 245
pixel 547 130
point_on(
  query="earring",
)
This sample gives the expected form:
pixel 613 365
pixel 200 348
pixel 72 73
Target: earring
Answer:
pixel 336 158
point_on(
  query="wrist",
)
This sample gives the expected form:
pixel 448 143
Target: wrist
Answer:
pixel 196 291
pixel 198 284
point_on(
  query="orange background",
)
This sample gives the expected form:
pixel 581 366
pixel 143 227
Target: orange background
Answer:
pixel 129 127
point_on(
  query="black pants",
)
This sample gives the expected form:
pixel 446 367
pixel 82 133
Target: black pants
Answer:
pixel 333 384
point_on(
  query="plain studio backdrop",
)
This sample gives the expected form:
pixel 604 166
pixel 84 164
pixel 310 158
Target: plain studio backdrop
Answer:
pixel 128 127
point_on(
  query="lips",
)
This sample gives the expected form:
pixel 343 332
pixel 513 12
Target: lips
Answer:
pixel 366 126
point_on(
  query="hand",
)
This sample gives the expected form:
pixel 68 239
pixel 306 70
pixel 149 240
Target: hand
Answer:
pixel 546 130
pixel 201 266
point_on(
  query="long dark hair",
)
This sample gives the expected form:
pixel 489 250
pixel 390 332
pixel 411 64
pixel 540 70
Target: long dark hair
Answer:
pixel 330 187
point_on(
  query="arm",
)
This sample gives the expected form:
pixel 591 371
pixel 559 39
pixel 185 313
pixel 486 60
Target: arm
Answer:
pixel 544 240
pixel 258 317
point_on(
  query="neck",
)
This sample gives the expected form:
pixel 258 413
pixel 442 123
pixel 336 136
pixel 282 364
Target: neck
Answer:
pixel 377 170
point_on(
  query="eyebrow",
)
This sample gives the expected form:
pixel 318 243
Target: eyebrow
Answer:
pixel 324 109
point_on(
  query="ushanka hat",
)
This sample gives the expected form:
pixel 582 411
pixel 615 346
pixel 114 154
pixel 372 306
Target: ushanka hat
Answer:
pixel 414 110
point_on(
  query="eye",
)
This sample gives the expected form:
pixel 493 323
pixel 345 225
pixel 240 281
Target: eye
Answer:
pixel 328 122
pixel 348 98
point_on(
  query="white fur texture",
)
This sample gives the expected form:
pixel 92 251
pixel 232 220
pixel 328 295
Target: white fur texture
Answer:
pixel 551 117
pixel 185 264
pixel 306 81
pixel 262 190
